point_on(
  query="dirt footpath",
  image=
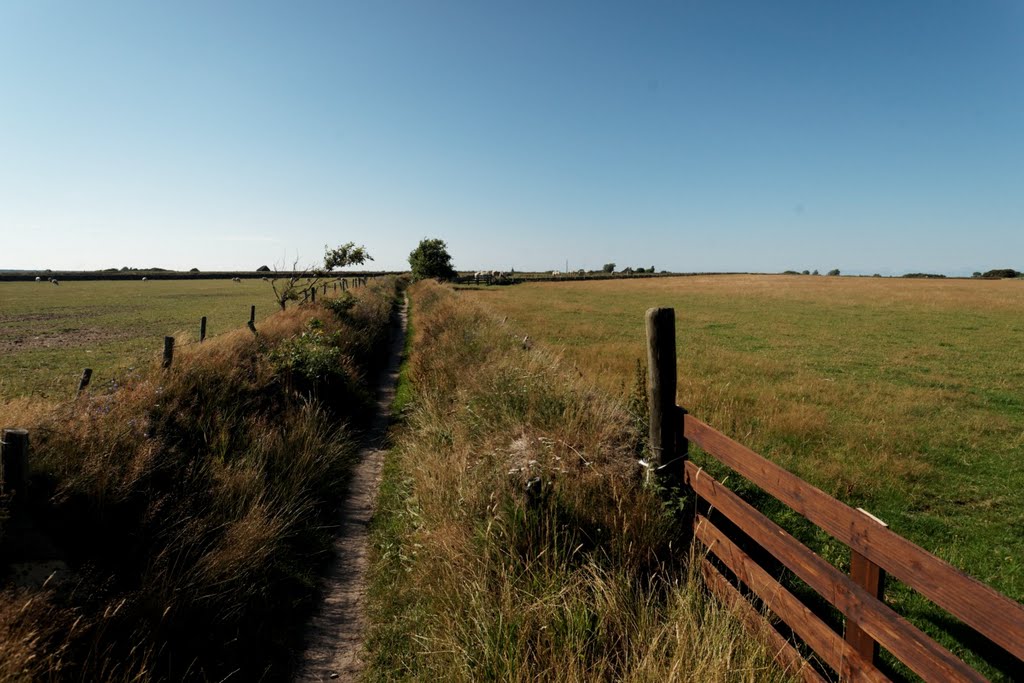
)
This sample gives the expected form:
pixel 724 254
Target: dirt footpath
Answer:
pixel 334 642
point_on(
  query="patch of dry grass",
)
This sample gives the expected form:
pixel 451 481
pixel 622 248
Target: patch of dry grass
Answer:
pixel 516 539
pixel 900 396
pixel 192 505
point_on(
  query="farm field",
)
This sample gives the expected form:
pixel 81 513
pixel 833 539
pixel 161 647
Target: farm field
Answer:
pixel 900 396
pixel 49 334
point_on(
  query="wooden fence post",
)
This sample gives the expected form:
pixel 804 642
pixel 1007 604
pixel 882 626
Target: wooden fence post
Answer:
pixel 84 382
pixel 661 393
pixel 312 295
pixel 252 314
pixel 168 351
pixel 871 578
pixel 14 460
pixel 202 329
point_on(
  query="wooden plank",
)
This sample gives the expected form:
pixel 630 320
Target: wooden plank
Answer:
pixel 828 644
pixel 893 632
pixel 786 656
pixel 984 609
pixel 871 578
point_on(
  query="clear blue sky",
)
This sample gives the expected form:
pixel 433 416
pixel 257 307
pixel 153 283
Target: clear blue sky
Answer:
pixel 866 136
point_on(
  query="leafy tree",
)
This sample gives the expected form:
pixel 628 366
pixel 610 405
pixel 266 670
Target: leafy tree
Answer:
pixel 806 272
pixel 608 268
pixel 834 271
pixel 1001 272
pixel 431 260
pixel 815 272
pixel 288 286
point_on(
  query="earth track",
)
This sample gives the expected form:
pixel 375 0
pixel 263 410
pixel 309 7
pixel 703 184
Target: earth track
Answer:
pixel 334 639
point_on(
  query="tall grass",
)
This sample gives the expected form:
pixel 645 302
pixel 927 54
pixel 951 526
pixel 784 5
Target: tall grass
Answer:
pixel 193 505
pixel 516 539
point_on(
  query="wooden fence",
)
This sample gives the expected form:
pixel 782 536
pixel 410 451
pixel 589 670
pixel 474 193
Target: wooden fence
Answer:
pixel 737 537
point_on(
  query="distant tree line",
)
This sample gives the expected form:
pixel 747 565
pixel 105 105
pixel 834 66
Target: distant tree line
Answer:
pixel 998 273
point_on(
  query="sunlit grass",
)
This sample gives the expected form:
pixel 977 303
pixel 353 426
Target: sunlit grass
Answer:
pixel 900 396
pixel 48 334
pixel 515 539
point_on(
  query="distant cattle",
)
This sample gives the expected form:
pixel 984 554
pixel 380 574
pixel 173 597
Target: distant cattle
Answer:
pixel 54 280
pixel 38 279
pixel 236 279
pixel 144 279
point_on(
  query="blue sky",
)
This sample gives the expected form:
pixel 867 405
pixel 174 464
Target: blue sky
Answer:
pixel 694 136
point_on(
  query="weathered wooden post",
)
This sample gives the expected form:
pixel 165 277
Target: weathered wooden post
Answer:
pixel 871 578
pixel 168 351
pixel 665 416
pixel 312 295
pixel 202 329
pixel 14 461
pixel 84 382
pixel 252 314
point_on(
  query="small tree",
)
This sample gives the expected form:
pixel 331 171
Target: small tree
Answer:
pixel 608 268
pixel 287 288
pixel 834 271
pixel 815 272
pixel 431 260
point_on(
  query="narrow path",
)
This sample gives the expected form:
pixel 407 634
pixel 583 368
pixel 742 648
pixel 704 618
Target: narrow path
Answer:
pixel 334 641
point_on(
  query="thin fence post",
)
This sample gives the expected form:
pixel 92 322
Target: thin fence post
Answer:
pixel 661 394
pixel 312 295
pixel 84 382
pixel 168 351
pixel 202 329
pixel 252 314
pixel 871 578
pixel 14 460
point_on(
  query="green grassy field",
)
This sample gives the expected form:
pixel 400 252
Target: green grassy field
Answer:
pixel 905 397
pixel 49 334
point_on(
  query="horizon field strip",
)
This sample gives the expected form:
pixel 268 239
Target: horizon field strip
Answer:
pixel 49 334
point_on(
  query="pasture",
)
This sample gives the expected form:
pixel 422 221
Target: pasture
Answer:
pixel 48 333
pixel 900 396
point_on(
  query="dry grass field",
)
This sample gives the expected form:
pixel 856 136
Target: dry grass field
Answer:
pixel 901 396
pixel 49 334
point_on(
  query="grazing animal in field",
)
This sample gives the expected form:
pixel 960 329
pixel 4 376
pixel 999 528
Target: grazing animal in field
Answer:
pixel 144 279
pixel 38 279
pixel 54 280
pixel 236 279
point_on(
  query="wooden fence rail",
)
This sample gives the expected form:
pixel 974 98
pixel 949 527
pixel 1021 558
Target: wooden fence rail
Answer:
pixel 875 551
